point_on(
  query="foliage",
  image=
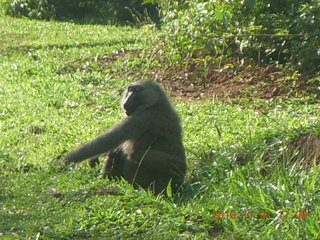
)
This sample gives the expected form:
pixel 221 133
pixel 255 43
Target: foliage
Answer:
pixel 286 32
pixel 41 9
pixel 101 11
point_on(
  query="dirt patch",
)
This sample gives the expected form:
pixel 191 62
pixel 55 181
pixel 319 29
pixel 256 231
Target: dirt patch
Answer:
pixel 305 149
pixel 233 78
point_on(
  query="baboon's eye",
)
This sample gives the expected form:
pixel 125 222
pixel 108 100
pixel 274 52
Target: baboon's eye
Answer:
pixel 130 89
pixel 134 89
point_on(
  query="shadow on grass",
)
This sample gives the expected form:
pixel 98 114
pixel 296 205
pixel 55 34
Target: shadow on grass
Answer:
pixel 27 48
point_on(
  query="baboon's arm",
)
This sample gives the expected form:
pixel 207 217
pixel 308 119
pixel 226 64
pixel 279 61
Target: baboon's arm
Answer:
pixel 129 128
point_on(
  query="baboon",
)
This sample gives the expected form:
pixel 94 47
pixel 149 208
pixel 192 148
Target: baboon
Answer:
pixel 145 148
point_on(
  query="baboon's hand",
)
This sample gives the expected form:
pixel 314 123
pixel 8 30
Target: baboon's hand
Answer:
pixel 62 157
pixel 66 160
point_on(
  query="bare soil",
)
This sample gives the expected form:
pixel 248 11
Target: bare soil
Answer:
pixel 305 149
pixel 229 79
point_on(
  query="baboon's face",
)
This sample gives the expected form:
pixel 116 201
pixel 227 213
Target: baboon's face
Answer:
pixel 140 95
pixel 132 99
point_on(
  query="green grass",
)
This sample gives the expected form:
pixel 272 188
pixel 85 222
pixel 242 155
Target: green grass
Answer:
pixel 54 95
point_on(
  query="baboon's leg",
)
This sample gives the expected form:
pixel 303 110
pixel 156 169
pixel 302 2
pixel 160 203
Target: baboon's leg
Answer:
pixel 154 170
pixel 114 164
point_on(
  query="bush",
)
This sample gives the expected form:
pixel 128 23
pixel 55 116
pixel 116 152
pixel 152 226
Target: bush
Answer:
pixel 269 31
pixel 94 11
pixel 41 9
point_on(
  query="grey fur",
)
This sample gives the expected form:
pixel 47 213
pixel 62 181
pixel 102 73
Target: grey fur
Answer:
pixel 145 148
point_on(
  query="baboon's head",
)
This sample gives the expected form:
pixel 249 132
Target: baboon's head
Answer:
pixel 141 95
